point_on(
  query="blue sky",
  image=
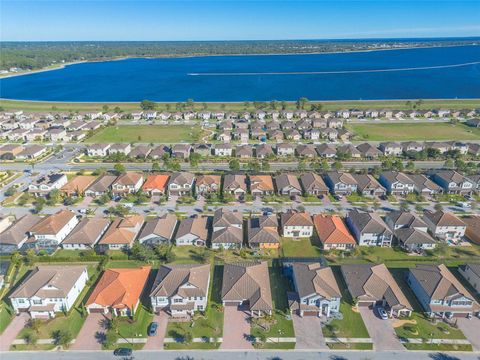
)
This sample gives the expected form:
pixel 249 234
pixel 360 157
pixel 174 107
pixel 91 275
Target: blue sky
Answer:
pixel 235 19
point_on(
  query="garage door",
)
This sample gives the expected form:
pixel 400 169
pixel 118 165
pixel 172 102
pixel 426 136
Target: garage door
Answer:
pixel 460 315
pixel 310 313
pixel 236 303
pixel 96 311
pixel 364 304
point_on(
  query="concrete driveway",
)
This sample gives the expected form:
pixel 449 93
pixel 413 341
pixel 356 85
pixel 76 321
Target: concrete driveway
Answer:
pixel 470 329
pixel 381 331
pixel 308 332
pixel 236 329
pixel 12 330
pixel 92 333
pixel 156 342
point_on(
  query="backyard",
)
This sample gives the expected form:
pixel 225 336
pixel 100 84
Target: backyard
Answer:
pixel 304 247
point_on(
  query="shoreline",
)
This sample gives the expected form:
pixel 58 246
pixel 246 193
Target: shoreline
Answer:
pixel 64 65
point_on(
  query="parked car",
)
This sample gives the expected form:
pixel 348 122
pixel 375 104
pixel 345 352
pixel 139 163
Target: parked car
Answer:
pixel 449 315
pixel 152 329
pixel 123 352
pixel 382 313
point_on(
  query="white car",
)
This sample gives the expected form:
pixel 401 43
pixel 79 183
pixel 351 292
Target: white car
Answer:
pixel 382 313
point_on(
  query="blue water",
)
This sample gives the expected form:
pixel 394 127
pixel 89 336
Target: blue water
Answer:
pixel 240 78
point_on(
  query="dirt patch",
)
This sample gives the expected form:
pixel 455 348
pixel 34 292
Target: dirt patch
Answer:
pixel 400 322
pixel 355 309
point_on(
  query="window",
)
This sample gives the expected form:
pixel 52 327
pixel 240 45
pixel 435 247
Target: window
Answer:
pixel 37 302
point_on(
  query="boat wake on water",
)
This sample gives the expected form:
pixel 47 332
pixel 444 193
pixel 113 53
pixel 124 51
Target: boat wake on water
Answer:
pixel 333 72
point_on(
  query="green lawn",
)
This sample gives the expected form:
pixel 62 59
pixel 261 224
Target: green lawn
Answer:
pixel 138 327
pixel 191 346
pixel 425 329
pixel 434 347
pixel 147 134
pixel 409 131
pixel 187 254
pixel 299 248
pixel 350 346
pixel 6 315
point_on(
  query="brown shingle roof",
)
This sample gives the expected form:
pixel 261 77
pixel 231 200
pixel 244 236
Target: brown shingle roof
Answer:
pixel 312 278
pixel 53 223
pixel 87 231
pixel 170 280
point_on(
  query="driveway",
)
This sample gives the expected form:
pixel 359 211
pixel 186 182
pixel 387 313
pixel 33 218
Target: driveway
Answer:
pixel 381 331
pixel 308 332
pixel 12 330
pixel 92 333
pixel 470 330
pixel 236 329
pixel 156 342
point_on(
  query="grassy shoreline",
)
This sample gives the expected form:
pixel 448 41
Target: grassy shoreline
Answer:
pixel 33 106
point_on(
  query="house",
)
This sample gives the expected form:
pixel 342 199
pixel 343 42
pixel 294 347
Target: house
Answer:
pixel 371 285
pixel 119 149
pixel 472 231
pixel 77 185
pixel 46 183
pixel 276 135
pixel 369 151
pixel 140 152
pixel 5 222
pixel 316 290
pixel 180 290
pixel 473 123
pixel 206 184
pixel 285 149
pixel 192 231
pixel 471 273
pixel 397 183
pixel 10 149
pixel 445 226
pixel 412 239
pixel 424 186
pixel 391 149
pixel 180 184
pixel 203 150
pixel 118 291
pixel 292 134
pixel 288 185
pixel 333 233
pixel 159 152
pixel 32 152
pixel 181 151
pixel 439 292
pixel 453 182
pixel 313 184
pixel 156 185
pixel 348 151
pixel 341 183
pixel 369 229
pixel 50 231
pixel 121 233
pixel 48 290
pixel 263 151
pixel 306 151
pixel 262 232
pixel 225 137
pixel 127 183
pixel 159 230
pixel 241 134
pixel 441 147
pixel 13 238
pixel 261 185
pixel 327 151
pixel 403 219
pixel 311 134
pixel 235 184
pixel 335 123
pixel 296 224
pixel 86 234
pixel 223 218
pixel 368 186
pixel 329 133
pixel 35 135
pixel 230 237
pixel 56 134
pixel 247 285
pixel 98 150
pixel 413 146
pixel 101 186
pixel 223 149
pixel 244 151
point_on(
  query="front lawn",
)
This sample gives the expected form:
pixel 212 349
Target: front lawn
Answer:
pixel 6 315
pixel 439 347
pixel 137 327
pixel 426 329
pixel 304 247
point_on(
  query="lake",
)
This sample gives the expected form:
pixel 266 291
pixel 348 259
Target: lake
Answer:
pixel 427 73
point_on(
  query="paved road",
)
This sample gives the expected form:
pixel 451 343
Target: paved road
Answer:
pixel 11 332
pixel 244 355
pixel 308 331
pixel 381 331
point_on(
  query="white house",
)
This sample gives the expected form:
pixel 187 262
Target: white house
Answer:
pixel 296 224
pixel 53 229
pixel 445 226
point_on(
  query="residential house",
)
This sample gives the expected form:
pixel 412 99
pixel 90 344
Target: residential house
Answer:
pixel 223 150
pixel 371 285
pixel 296 224
pixel 77 185
pixel 46 183
pixel 181 183
pixel 327 151
pixel 159 230
pixel 341 183
pixel 192 231
pixel 286 149
pixel 316 290
pixel 180 290
pixel 288 185
pixel 261 185
pixel 156 185
pixel 262 232
pixel 48 290
pixel 13 238
pixel 32 152
pixel 453 182
pixel 86 234
pixel 223 218
pixel 391 149
pixel 369 151
pixel 230 237
pixel 412 239
pixel 121 233
pixel 118 291
pixel 235 184
pixel 333 233
pixel 181 151
pixel 101 186
pixel 369 229
pixel 121 148
pixel 127 183
pixel 98 150
pixel 413 146
pixel 313 184
pixel 140 152
pixel 244 151
pixel 263 151
pixel 348 151
pixel 159 152
pixel 471 273
pixel 50 231
pixel 306 151
pixel 445 226
pixel 403 219
pixel 368 186
pixel 439 292
pixel 472 231
pixel 397 183
pixel 247 285
pixel 206 184
pixel 424 186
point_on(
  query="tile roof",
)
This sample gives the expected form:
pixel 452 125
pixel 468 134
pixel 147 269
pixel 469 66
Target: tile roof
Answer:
pixel 78 184
pixel 197 226
pixel 261 182
pixel 17 232
pixel 223 217
pixel 163 226
pixel 370 223
pixel 172 280
pixel 228 235
pixel 292 218
pixel 441 218
pixel 156 182
pixel 312 278
pixel 52 224
pixel 332 230
pixel 87 231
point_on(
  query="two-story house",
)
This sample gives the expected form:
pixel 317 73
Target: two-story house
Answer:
pixel 159 230
pixel 287 184
pixel 341 183
pixel 369 229
pixel 122 233
pixel 206 184
pixel 445 226
pixel 46 183
pixel 235 184
pixel 127 183
pixel 262 232
pixel 180 184
pixel 192 231
pixel 50 231
pixel 296 224
pixel 397 183
pixel 453 182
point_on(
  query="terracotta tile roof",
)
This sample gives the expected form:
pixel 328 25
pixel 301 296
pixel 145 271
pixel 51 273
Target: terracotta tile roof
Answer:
pixel 261 182
pixel 156 182
pixel 122 230
pixel 120 288
pixel 332 230
pixel 53 223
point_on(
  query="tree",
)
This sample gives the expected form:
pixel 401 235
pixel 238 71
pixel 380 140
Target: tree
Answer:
pixel 410 166
pixel 156 167
pixel 147 105
pixel 34 325
pixel 105 108
pixel 438 207
pixel 30 338
pixel 265 165
pixel 39 204
pixel 119 168
pixel 10 191
pixel 337 165
pixel 53 197
pixel 110 339
pixel 234 165
pixel 301 102
pixel 62 338
pixel 194 159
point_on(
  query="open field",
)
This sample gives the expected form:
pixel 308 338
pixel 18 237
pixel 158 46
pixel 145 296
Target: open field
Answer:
pixel 404 132
pixel 326 105
pixel 147 134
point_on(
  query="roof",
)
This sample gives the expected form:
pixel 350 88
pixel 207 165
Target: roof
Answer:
pixel 248 281
pixel 441 218
pixel 224 217
pixel 472 222
pixel 235 181
pixel 422 182
pixel 197 226
pixel 208 180
pixel 450 176
pixel 119 288
pixel 129 178
pixel 332 230
pixel 181 178
pixel 395 176
pixel 52 224
pixel 78 183
pixel 162 226
pixel 17 232
pixel 87 231
pixel 261 182
pixel 293 218
pixel 373 283
pixel 285 180
pixel 340 177
pixel 438 282
pixel 123 230
pixel 367 181
pixel 103 183
pixel 311 181
pixel 156 182
pixel 406 219
pixel 228 235
pixel 409 236
pixel 370 223
pixel 312 278
pixel 184 280
pixel 49 281
pixel 475 268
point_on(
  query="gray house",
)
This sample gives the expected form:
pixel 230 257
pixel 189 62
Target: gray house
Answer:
pixel 369 229
pixel 159 230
